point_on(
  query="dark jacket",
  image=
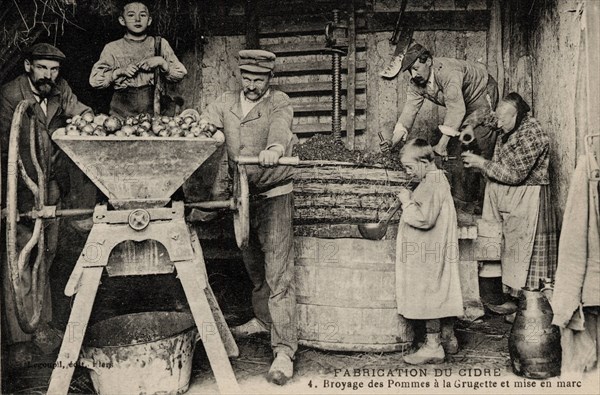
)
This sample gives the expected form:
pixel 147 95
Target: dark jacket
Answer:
pixel 62 104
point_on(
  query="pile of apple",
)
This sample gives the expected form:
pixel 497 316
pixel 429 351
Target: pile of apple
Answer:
pixel 142 125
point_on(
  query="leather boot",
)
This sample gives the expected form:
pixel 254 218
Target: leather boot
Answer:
pixel 449 341
pixel 430 352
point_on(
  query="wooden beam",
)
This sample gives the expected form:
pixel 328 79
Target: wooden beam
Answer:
pixel 366 22
pixel 306 48
pixel 251 11
pixel 303 128
pixel 428 20
pixel 313 67
pixel 314 88
pixel 323 107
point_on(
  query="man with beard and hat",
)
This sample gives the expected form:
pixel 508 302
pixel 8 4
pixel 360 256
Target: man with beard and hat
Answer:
pixel 470 96
pixel 54 103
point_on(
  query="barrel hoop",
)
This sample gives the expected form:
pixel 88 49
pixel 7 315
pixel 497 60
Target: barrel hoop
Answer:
pixel 393 347
pixel 351 304
pixel 341 264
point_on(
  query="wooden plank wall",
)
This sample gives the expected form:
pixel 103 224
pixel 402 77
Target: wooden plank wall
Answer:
pixel 560 79
pixel 385 98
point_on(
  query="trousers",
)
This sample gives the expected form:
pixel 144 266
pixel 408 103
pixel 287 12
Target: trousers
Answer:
pixel 269 260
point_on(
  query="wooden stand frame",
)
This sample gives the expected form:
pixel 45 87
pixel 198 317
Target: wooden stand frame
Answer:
pixel 111 228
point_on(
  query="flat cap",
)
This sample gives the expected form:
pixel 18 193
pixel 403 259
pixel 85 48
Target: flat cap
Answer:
pixel 412 54
pixel 45 51
pixel 257 60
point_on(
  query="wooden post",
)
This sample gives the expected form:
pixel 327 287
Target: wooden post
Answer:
pixel 252 41
pixel 592 56
pixel 494 45
pixel 351 77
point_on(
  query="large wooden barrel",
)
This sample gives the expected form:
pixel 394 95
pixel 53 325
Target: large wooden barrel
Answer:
pixel 345 285
pixel 345 289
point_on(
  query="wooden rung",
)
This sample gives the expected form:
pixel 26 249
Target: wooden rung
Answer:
pixel 323 127
pixel 283 8
pixel 305 48
pixel 314 87
pixel 313 67
pixel 320 107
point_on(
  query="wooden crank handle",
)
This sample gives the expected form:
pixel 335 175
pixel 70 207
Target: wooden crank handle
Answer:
pixel 283 161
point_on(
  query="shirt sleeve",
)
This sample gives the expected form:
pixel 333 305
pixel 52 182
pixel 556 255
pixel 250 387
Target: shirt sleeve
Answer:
pixel 422 214
pixel 414 102
pixel 280 127
pixel 454 100
pixel 514 166
pixel 102 71
pixel 213 113
pixel 176 70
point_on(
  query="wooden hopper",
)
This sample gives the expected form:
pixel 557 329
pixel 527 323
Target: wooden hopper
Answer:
pixel 137 171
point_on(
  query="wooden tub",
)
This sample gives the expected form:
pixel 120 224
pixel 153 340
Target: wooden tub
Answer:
pixel 346 296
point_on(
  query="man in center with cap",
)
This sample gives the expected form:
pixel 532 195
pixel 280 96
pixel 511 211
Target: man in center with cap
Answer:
pixel 257 121
pixel 469 94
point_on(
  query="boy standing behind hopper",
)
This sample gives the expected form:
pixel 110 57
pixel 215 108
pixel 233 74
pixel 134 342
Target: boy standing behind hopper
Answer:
pixel 128 64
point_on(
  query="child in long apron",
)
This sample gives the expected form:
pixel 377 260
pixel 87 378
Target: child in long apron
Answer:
pixel 427 277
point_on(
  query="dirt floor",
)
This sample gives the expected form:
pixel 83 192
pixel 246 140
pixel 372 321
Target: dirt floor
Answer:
pixel 483 355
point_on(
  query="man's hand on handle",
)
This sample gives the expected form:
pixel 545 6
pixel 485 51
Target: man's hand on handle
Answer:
pixel 269 157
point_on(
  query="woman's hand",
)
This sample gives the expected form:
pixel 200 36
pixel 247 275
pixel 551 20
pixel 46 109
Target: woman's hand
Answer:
pixel 471 160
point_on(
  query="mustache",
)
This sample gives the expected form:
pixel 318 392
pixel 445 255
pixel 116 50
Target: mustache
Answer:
pixel 44 81
pixel 419 81
pixel 44 86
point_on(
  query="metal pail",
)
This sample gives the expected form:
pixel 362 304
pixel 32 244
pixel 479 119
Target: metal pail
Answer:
pixel 143 353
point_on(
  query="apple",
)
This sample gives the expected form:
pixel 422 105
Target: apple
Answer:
pixel 88 117
pixel 128 130
pixel 100 118
pixel 99 131
pixel 219 136
pixel 87 129
pixel 165 119
pixel 196 130
pixel 164 133
pixel 112 124
pixel 146 134
pixel 120 133
pixel 146 124
pixel 72 130
pixel 81 123
pixel 172 124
